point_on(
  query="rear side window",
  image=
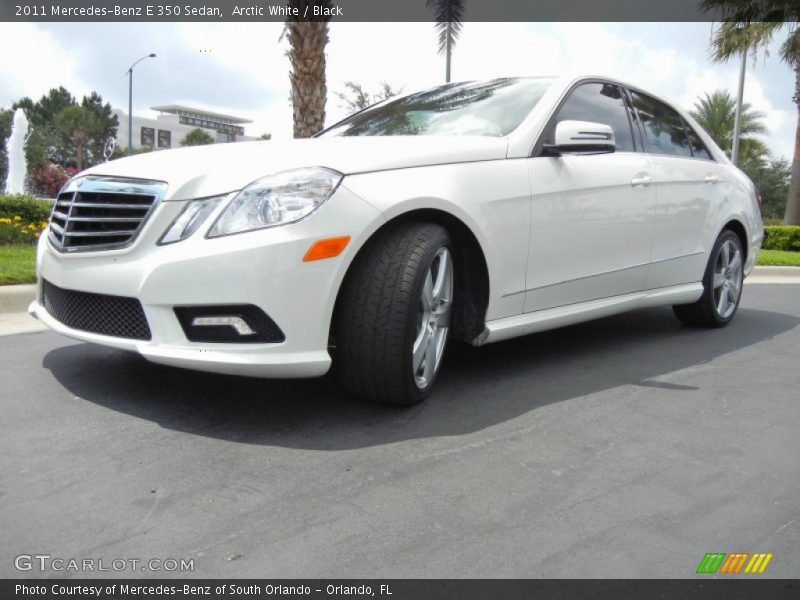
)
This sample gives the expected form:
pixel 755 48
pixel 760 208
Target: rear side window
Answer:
pixel 699 149
pixel 664 132
pixel 599 103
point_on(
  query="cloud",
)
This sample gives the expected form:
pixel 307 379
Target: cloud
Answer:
pixel 30 69
pixel 241 68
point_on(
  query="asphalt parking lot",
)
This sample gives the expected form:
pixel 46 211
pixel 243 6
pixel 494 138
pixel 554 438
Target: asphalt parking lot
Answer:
pixel 625 447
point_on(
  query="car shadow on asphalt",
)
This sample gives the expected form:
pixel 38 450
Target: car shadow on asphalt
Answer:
pixel 478 387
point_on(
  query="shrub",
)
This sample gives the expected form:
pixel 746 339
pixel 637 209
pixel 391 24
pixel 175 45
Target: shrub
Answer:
pixel 782 237
pixel 15 230
pixel 28 208
pixel 50 178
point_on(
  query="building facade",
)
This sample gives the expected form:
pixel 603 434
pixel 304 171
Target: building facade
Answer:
pixel 172 124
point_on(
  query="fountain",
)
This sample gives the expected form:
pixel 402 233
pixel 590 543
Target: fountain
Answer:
pixel 15 145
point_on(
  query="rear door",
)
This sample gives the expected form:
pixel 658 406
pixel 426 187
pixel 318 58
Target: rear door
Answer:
pixel 591 214
pixel 687 181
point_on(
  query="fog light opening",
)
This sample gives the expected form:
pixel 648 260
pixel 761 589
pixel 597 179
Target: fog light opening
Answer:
pixel 238 323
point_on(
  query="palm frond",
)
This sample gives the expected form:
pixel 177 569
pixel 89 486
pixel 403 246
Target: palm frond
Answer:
pixel 751 24
pixel 731 38
pixel 449 15
pixel 752 11
pixel 788 51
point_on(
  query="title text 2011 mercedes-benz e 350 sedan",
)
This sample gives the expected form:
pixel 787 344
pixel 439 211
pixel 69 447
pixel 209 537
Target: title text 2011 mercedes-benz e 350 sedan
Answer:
pixel 474 211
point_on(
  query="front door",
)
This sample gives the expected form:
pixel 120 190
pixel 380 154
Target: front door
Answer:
pixel 591 214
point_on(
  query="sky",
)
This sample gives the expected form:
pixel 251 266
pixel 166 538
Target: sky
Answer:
pixel 242 69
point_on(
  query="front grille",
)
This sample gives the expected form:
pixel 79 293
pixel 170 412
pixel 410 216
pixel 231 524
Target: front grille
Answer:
pixel 116 316
pixel 101 213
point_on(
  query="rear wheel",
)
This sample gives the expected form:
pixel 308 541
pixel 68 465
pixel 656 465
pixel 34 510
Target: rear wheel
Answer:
pixel 722 285
pixel 394 314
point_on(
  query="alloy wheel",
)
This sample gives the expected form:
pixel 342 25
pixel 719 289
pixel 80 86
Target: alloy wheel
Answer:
pixel 728 277
pixel 433 322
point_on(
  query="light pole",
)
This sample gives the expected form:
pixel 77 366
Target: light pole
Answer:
pixel 737 124
pixel 130 101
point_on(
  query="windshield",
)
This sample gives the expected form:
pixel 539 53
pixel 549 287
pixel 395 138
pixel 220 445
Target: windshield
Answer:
pixel 491 108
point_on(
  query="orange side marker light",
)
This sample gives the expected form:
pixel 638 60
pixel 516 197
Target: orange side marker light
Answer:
pixel 327 248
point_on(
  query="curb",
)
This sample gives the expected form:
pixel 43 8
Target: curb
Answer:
pixel 16 298
pixel 776 271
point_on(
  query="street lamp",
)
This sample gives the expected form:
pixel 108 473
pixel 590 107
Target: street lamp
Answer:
pixel 737 123
pixel 130 101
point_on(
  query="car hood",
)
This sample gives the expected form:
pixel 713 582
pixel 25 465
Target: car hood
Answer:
pixel 202 171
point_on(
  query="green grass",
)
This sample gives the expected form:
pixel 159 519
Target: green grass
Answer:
pixel 17 264
pixel 779 258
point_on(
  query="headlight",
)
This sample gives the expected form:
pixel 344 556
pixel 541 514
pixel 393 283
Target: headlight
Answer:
pixel 277 199
pixel 190 219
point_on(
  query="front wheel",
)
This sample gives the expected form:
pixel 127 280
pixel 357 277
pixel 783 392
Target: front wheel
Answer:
pixel 394 314
pixel 722 285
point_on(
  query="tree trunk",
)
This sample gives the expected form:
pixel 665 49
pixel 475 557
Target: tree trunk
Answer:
pixel 792 216
pixel 79 138
pixel 309 91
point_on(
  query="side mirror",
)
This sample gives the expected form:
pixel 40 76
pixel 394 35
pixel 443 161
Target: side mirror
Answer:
pixel 582 136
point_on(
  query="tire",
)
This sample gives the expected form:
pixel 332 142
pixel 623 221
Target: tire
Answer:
pixel 722 285
pixel 389 308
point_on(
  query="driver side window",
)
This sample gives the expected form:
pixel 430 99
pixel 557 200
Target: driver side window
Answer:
pixel 599 103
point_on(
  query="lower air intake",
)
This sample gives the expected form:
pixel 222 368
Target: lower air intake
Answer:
pixel 115 316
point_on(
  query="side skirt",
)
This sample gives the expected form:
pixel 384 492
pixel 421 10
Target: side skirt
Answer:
pixel 552 318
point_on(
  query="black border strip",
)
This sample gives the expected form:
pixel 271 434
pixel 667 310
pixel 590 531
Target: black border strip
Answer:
pixel 700 588
pixel 351 10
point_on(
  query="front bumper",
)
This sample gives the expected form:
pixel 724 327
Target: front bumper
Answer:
pixel 263 268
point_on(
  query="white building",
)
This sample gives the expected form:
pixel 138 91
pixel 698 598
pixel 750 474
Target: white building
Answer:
pixel 172 124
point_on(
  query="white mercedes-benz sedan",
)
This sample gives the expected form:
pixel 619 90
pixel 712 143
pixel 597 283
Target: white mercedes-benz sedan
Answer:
pixel 474 211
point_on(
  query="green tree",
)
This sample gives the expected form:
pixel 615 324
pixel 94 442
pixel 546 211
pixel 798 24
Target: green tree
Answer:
pixel 752 24
pixel 107 125
pixel 772 182
pixel 449 15
pixel 48 142
pixel 716 113
pixel 307 42
pixel 80 127
pixel 356 98
pixel 753 156
pixel 265 136
pixel 197 137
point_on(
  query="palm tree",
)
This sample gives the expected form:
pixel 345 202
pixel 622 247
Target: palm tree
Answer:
pixel 753 24
pixel 449 14
pixel 79 126
pixel 716 114
pixel 307 41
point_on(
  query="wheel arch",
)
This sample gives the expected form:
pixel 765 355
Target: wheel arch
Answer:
pixel 740 230
pixel 472 272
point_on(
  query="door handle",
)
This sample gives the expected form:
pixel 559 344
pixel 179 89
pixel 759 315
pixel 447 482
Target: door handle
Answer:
pixel 712 179
pixel 642 179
